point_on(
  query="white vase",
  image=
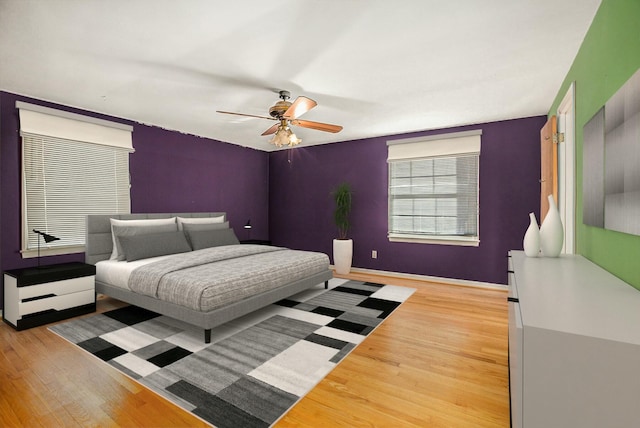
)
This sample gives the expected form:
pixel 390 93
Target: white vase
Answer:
pixel 551 231
pixel 342 255
pixel 531 241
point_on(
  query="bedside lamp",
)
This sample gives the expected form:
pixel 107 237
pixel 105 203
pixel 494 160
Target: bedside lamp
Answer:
pixel 47 238
pixel 248 227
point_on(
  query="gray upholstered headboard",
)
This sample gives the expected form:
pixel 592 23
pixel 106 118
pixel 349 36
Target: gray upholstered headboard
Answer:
pixel 99 243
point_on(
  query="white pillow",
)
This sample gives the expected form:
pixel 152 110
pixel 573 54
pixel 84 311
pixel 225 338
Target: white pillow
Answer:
pixel 199 220
pixel 138 223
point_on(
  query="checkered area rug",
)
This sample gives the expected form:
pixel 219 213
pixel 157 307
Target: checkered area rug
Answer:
pixel 256 367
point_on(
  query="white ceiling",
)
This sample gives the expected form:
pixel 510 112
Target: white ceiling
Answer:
pixel 376 67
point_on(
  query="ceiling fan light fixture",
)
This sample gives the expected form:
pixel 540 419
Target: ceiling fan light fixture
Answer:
pixel 284 136
pixel 293 139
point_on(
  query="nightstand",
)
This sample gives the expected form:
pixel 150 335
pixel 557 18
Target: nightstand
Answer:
pixel 37 296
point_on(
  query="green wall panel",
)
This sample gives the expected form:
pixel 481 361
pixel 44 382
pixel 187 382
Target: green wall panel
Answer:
pixel 608 57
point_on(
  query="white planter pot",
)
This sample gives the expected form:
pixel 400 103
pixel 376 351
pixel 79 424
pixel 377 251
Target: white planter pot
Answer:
pixel 342 255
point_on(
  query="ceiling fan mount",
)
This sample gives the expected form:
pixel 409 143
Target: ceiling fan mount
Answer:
pixel 280 108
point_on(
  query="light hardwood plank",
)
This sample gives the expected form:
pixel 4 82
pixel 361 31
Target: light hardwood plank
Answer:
pixel 439 360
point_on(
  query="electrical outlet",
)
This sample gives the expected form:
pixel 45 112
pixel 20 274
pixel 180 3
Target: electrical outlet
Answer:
pixel 374 254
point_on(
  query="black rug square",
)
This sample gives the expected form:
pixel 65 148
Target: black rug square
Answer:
pixel 322 310
pixel 351 327
pixel 169 357
pixel 327 341
pixel 386 306
pixel 131 315
pixel 354 291
pixel 373 284
pixel 101 348
pixel 287 303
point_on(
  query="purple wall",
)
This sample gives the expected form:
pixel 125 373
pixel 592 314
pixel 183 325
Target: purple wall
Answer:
pixel 170 172
pixel 301 209
pixel 286 194
pixel 174 172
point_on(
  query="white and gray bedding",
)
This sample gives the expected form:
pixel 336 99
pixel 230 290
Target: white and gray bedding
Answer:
pixel 207 279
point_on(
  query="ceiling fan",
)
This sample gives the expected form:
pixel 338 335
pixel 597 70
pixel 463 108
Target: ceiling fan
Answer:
pixel 287 113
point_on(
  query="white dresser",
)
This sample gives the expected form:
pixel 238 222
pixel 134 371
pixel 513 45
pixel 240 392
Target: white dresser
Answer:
pixel 574 345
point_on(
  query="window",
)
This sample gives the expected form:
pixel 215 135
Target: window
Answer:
pixel 433 189
pixel 72 166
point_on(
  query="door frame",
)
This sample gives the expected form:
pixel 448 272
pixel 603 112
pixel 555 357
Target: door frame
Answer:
pixel 567 168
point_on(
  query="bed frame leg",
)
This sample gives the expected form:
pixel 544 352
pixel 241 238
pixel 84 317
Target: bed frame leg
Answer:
pixel 207 335
pixel 326 285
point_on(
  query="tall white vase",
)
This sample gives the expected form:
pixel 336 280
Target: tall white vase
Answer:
pixel 342 255
pixel 531 241
pixel 551 231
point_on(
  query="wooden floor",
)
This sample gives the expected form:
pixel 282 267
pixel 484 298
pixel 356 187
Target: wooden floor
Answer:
pixel 439 360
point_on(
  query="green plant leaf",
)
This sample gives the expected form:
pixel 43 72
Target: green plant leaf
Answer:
pixel 342 198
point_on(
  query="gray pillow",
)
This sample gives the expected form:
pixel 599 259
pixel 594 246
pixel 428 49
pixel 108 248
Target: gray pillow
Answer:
pixel 205 226
pixel 211 238
pixel 120 231
pixel 138 247
pixel 197 227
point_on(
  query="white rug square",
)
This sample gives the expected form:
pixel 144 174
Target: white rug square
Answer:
pixel 129 338
pixel 297 369
pixel 190 340
pixel 136 364
pixel 394 293
pixel 345 336
pixel 311 317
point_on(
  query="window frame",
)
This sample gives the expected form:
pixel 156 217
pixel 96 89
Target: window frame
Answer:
pixel 60 127
pixel 450 145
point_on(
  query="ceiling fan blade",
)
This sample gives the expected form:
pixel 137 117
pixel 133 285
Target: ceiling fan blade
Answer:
pixel 299 107
pixel 247 115
pixel 326 127
pixel 271 130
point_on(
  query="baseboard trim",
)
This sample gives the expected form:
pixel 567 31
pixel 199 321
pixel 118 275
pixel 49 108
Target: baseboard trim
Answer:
pixel 452 281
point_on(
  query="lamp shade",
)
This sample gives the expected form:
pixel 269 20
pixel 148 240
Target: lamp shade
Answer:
pixel 47 238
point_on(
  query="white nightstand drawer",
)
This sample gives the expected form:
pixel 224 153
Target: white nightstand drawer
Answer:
pixel 58 288
pixel 58 303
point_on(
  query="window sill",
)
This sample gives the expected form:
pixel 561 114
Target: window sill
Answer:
pixel 439 240
pixel 56 251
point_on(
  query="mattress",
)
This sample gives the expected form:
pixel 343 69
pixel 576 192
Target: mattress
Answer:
pixel 116 273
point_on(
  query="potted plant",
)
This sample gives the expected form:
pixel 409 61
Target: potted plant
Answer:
pixel 342 246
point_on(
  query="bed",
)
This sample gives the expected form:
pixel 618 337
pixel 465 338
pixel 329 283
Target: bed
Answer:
pixel 142 259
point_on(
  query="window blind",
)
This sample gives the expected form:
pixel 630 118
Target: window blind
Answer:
pixel 64 180
pixel 433 189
